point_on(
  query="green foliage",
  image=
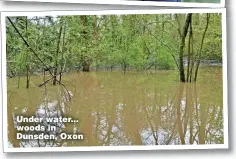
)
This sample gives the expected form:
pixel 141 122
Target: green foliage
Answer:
pixel 138 42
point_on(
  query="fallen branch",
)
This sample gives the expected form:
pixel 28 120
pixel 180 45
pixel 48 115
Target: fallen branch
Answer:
pixel 45 82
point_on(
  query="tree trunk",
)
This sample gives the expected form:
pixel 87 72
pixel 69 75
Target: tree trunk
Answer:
pixel 86 67
pixel 18 83
pixel 27 55
pixel 190 42
pixel 182 45
pixel 124 69
pixel 56 57
pixel 62 51
pixel 200 50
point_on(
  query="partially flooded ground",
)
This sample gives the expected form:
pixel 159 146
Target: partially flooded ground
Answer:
pixel 136 108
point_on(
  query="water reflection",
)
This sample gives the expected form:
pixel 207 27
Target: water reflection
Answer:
pixel 132 109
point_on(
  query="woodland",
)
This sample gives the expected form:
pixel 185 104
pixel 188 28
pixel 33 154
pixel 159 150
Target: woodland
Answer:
pixel 61 44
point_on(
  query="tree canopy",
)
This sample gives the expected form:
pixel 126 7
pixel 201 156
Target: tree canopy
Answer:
pixel 139 42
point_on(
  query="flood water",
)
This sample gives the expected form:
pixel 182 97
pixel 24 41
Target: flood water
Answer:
pixel 136 108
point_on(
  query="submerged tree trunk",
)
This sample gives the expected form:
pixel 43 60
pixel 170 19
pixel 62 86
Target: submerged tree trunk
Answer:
pixel 18 83
pixel 200 50
pixel 27 80
pixel 56 57
pixel 85 40
pixel 62 52
pixel 86 67
pixel 182 45
pixel 125 67
pixel 190 42
pixel 27 55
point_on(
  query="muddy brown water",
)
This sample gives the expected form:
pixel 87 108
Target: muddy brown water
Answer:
pixel 138 108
